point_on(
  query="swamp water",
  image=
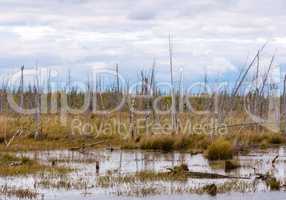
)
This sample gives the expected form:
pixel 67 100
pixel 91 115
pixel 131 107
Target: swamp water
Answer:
pixel 84 182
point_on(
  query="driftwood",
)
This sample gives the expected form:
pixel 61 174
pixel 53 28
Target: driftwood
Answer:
pixel 263 177
pixel 274 160
pixel 15 164
pixel 269 179
pixel 184 170
pixel 202 175
pixel 84 146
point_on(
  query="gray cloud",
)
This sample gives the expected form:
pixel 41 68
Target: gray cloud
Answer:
pixel 213 34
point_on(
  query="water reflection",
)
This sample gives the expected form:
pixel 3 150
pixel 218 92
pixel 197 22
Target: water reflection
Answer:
pixel 96 163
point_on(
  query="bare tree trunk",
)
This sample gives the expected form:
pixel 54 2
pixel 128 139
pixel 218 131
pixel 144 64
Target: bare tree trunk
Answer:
pixel 90 92
pixel 22 87
pixel 153 93
pixel 173 106
pixel 49 91
pixel 132 118
pixel 37 99
pixel 117 80
pixel 284 102
pixel 239 83
pixel 256 97
pixel 284 91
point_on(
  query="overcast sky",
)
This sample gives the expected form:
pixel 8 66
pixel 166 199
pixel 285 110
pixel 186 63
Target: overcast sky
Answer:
pixel 216 36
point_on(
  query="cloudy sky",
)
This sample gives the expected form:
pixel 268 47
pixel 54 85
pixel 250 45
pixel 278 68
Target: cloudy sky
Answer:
pixel 217 36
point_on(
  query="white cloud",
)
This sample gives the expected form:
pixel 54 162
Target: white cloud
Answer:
pixel 216 34
pixel 219 65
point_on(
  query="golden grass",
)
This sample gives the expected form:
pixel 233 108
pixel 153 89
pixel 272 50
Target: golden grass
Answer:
pixel 11 165
pixel 55 135
pixel 18 193
pixel 220 149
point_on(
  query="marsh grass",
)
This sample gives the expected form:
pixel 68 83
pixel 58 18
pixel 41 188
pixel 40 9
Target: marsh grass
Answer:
pixel 144 183
pixel 11 165
pixel 158 142
pixel 227 165
pixel 273 184
pixel 56 184
pixel 64 181
pixel 228 186
pixel 73 160
pixel 56 135
pixel 174 142
pixel 177 174
pixel 143 177
pixel 147 183
pixel 18 193
pixel 218 164
pixel 220 149
pixel 140 191
pixel 250 139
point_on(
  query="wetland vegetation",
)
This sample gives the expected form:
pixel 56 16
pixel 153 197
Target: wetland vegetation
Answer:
pixel 136 151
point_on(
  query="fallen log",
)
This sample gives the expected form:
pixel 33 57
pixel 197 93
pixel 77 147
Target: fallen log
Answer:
pixel 202 175
pixel 184 170
pixel 84 146
pixel 16 163
pixel 274 160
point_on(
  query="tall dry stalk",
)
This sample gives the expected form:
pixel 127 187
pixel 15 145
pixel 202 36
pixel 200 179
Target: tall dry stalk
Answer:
pixel 173 105
pixel 22 87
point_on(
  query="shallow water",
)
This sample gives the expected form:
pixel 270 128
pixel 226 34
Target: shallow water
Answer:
pixel 128 162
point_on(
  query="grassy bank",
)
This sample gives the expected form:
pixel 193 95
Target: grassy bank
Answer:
pixel 11 165
pixel 74 132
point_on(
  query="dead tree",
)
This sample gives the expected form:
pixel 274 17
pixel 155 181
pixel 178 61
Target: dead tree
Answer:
pixel 243 77
pixel 38 106
pixel 153 91
pixel 22 87
pixel 284 89
pixel 3 96
pixel 152 83
pixel 90 92
pixel 117 79
pixel 256 95
pixel 49 90
pixel 132 121
pixel 284 101
pixel 173 105
pixel 266 76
